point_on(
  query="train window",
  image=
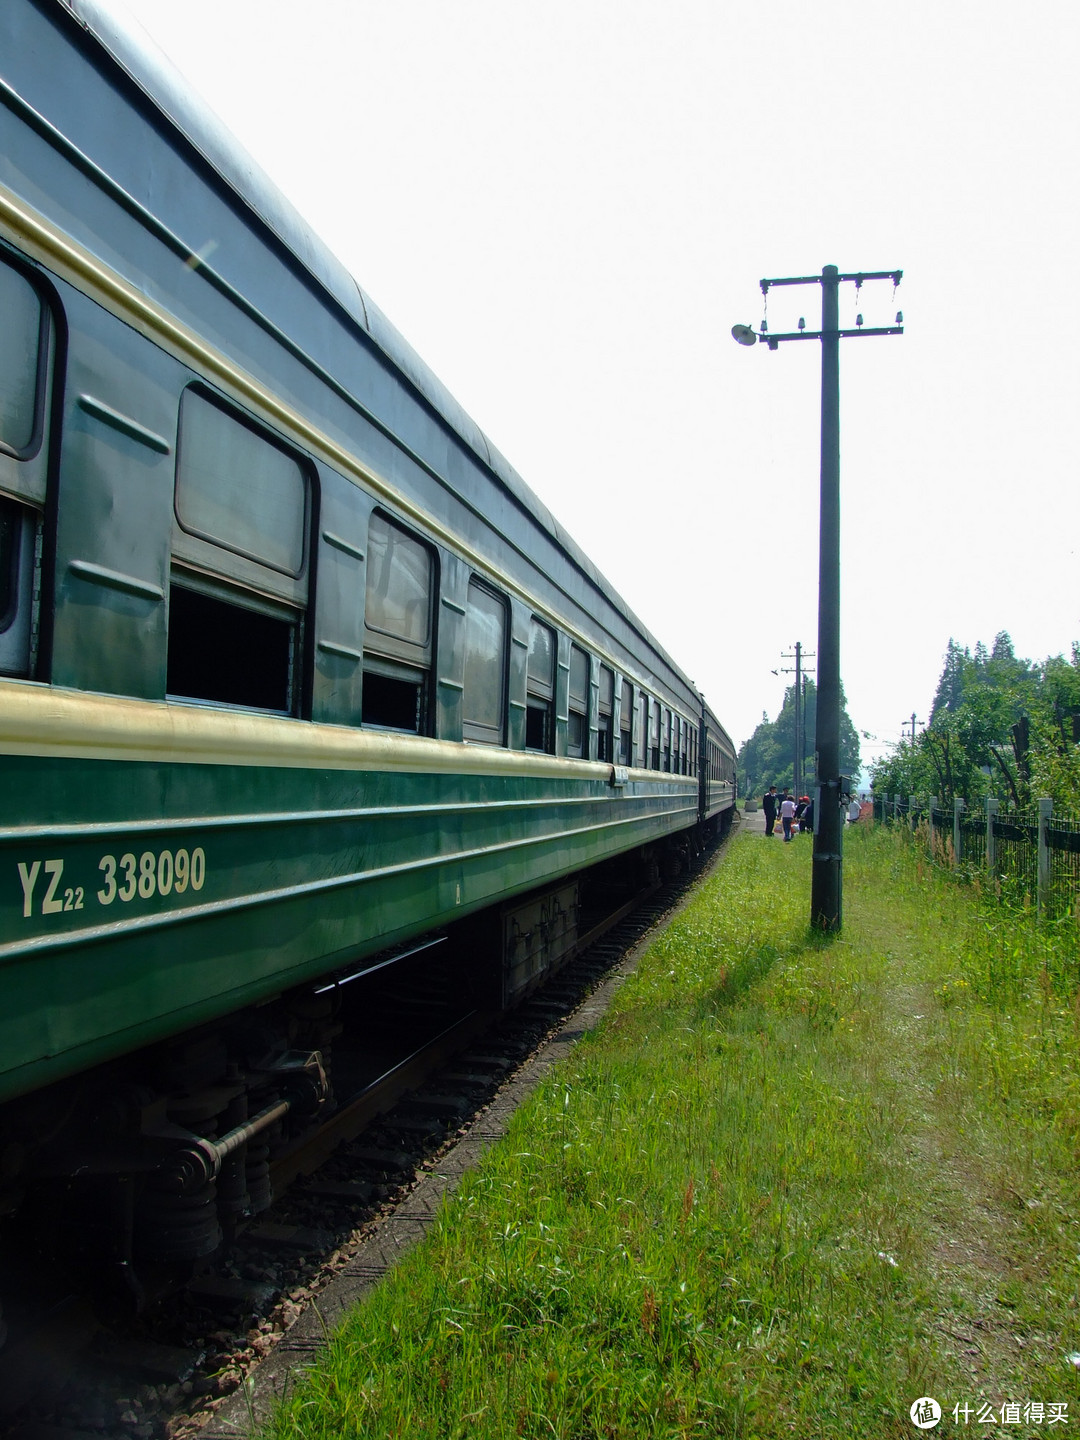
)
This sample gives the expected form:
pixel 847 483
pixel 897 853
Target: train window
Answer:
pixel 237 488
pixel 540 689
pixel 626 725
pixel 17 529
pixel 229 654
pixel 238 590
pixel 577 733
pixel 484 695
pixel 9 563
pixel 398 627
pixel 666 731
pixel 605 740
pixel 643 730
pixel 654 735
pixel 21 357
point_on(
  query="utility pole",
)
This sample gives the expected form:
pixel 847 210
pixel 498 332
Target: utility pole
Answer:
pixel 912 722
pixel 826 883
pixel 800 710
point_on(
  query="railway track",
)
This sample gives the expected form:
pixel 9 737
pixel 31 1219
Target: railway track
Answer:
pixel 75 1367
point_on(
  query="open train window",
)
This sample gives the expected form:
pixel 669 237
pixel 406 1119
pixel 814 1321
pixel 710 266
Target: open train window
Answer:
pixel 540 689
pixel 483 701
pixel 397 628
pixel 626 725
pixel 17 531
pixel 605 739
pixel 577 731
pixel 229 654
pixel 239 583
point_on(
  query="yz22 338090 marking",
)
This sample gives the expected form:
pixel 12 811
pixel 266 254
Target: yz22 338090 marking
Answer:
pixel 161 872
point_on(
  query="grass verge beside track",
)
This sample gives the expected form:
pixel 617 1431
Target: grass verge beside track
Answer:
pixel 787 1187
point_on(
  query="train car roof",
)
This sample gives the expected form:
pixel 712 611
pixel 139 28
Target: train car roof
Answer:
pixel 150 69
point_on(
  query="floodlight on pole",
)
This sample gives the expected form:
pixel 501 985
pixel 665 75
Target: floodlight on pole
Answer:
pixel 826 887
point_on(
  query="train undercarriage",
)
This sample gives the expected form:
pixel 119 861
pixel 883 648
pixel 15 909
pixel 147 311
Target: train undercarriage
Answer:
pixel 137 1176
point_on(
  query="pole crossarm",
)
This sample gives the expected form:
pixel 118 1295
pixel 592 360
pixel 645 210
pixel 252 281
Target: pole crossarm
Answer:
pixel 858 276
pixel 773 340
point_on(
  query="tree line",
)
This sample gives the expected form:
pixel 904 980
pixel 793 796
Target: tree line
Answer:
pixel 768 757
pixel 999 725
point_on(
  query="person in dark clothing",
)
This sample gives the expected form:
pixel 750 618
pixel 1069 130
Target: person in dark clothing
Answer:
pixel 769 802
pixel 806 821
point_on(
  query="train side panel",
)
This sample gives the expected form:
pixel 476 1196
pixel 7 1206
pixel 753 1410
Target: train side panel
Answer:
pixel 240 744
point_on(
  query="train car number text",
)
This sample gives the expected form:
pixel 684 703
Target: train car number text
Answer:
pixel 131 876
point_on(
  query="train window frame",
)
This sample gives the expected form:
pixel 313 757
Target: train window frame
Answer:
pixel 223 599
pixel 577 721
pixel 654 734
pixel 540 689
pixel 643 729
pixel 396 692
pixel 626 722
pixel 41 370
pixel 201 547
pixel 605 715
pixel 478 731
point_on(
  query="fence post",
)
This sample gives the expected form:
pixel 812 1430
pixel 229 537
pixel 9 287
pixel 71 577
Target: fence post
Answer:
pixel 993 805
pixel 1046 809
pixel 958 805
pixel 896 809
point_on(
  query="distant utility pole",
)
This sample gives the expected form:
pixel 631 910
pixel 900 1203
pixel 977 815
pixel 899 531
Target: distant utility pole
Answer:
pixel 912 722
pixel 826 889
pixel 800 710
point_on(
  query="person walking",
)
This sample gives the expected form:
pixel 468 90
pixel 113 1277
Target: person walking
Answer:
pixel 787 813
pixel 769 801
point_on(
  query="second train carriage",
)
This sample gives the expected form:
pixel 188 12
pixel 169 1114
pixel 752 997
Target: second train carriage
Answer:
pixel 293 666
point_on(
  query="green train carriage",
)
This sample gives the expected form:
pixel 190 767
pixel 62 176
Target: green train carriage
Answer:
pixel 293 666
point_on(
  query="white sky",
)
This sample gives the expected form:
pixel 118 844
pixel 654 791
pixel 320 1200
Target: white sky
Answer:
pixel 565 207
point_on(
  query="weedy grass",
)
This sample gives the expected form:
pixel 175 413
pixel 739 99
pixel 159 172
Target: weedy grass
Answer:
pixel 789 1185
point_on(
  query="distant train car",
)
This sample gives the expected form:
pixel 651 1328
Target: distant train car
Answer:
pixel 293 666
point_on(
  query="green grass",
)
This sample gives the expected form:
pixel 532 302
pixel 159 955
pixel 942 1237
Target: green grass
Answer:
pixel 788 1186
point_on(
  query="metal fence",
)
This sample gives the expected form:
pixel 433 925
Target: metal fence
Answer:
pixel 1032 857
